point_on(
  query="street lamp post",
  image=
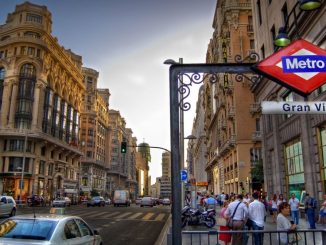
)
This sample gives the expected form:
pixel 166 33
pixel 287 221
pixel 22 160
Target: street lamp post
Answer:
pixel 21 184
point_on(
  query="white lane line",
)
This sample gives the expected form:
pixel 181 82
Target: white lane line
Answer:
pixel 135 215
pixel 123 215
pixel 148 216
pixel 160 217
pixel 110 215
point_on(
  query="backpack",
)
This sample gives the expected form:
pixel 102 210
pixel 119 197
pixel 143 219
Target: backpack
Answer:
pixel 313 203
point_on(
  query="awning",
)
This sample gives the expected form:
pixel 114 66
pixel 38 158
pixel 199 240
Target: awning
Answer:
pixel 72 191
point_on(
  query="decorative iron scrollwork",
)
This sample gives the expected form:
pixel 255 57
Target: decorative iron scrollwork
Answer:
pixel 186 80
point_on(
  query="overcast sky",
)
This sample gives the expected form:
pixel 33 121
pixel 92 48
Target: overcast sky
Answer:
pixel 127 41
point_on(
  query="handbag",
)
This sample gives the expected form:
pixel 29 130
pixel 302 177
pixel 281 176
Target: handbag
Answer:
pixel 229 222
pixel 294 238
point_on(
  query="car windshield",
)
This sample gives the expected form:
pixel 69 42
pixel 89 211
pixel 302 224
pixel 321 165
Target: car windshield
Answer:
pixel 27 229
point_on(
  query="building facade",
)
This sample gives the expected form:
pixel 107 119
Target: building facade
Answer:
pixel 231 129
pixel 165 180
pixel 94 135
pixel 293 155
pixel 41 91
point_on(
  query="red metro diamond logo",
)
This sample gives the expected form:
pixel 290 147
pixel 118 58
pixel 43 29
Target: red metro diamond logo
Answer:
pixel 301 67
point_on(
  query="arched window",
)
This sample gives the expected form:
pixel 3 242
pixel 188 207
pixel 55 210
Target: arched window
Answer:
pixel 25 96
pixel 2 78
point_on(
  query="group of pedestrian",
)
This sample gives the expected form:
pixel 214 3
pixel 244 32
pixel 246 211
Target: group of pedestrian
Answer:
pixel 250 213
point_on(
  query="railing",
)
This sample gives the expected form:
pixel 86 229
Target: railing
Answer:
pixel 304 236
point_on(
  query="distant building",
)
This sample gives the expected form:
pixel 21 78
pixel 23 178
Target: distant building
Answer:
pixel 165 180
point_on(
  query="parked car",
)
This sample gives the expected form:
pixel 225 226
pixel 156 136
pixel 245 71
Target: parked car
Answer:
pixel 48 229
pixel 138 200
pixel 121 197
pixel 166 201
pixel 35 200
pixel 61 202
pixel 96 201
pixel 84 200
pixel 146 201
pixel 7 206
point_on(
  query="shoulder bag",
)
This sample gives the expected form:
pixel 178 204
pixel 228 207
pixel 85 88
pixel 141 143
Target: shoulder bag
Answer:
pixel 229 222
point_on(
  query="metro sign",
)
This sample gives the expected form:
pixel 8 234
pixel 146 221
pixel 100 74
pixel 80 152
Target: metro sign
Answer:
pixel 301 67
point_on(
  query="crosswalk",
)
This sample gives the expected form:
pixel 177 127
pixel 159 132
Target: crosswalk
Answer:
pixel 118 215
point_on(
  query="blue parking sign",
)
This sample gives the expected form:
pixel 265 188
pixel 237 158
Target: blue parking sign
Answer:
pixel 184 175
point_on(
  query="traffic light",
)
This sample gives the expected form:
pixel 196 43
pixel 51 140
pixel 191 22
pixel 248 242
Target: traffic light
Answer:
pixel 123 147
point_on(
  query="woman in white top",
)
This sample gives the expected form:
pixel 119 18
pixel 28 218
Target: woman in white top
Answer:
pixel 274 207
pixel 283 223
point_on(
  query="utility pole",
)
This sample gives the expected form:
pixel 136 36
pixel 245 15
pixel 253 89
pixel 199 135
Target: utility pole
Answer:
pixel 181 139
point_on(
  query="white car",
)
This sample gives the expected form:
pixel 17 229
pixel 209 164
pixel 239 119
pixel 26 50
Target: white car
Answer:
pixel 48 229
pixel 7 206
pixel 166 201
pixel 61 202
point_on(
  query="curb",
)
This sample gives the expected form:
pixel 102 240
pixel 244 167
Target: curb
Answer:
pixel 162 238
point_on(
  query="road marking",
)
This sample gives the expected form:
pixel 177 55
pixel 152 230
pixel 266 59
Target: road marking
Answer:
pixel 99 214
pixel 123 215
pixel 135 215
pixel 148 216
pixel 160 217
pixel 110 215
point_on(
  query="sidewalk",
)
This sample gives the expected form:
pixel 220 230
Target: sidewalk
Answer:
pixel 269 226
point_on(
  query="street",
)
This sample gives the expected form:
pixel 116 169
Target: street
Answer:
pixel 117 225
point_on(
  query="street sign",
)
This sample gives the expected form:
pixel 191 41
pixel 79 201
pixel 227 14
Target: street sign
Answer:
pixel 301 67
pixel 183 175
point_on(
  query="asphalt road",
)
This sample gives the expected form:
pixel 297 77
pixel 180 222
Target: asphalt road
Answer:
pixel 118 225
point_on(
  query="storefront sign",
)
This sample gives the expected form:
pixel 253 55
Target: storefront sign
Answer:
pixel 300 66
pixel 202 183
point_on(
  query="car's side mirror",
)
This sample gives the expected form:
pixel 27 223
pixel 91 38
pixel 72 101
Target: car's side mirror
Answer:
pixel 96 232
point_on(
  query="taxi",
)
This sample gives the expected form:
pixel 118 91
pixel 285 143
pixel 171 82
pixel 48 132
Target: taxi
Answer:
pixel 52 228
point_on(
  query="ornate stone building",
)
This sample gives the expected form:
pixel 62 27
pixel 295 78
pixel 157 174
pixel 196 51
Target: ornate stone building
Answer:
pixel 94 135
pixel 232 131
pixel 41 91
pixel 294 145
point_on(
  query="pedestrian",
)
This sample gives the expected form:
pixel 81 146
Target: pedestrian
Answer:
pixel 210 202
pixel 274 207
pixel 199 197
pixel 225 237
pixel 283 223
pixel 238 211
pixel 247 199
pixel 294 205
pixel 257 213
pixel 222 198
pixel 310 206
pixel 188 199
pixel 322 212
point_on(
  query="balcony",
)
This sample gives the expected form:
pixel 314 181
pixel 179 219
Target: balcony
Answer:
pixel 228 145
pixel 255 108
pixel 256 136
pixel 250 28
pixel 231 112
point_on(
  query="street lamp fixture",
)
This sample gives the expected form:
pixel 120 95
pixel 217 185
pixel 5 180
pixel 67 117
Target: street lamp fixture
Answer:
pixel 308 5
pixel 282 39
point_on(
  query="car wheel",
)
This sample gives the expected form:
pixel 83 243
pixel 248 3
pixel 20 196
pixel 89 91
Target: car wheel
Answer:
pixel 13 212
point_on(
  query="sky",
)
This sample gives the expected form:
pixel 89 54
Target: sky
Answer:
pixel 127 41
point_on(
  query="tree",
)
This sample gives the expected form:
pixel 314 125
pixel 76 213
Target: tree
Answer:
pixel 94 193
pixel 257 175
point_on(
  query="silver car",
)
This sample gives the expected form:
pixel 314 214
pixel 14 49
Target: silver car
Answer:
pixel 7 206
pixel 61 202
pixel 146 201
pixel 47 229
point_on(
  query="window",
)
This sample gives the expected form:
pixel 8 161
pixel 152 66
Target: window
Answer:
pixel 273 36
pixel 262 51
pixel 31 51
pixel 85 230
pixel 285 12
pixel 322 149
pixel 71 230
pixel 16 164
pixel 34 18
pixel 2 79
pixel 41 167
pixel 288 97
pixel 294 167
pixel 259 12
pixel 252 44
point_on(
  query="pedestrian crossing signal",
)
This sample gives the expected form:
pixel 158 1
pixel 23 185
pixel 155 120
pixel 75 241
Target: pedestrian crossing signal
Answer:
pixel 123 147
